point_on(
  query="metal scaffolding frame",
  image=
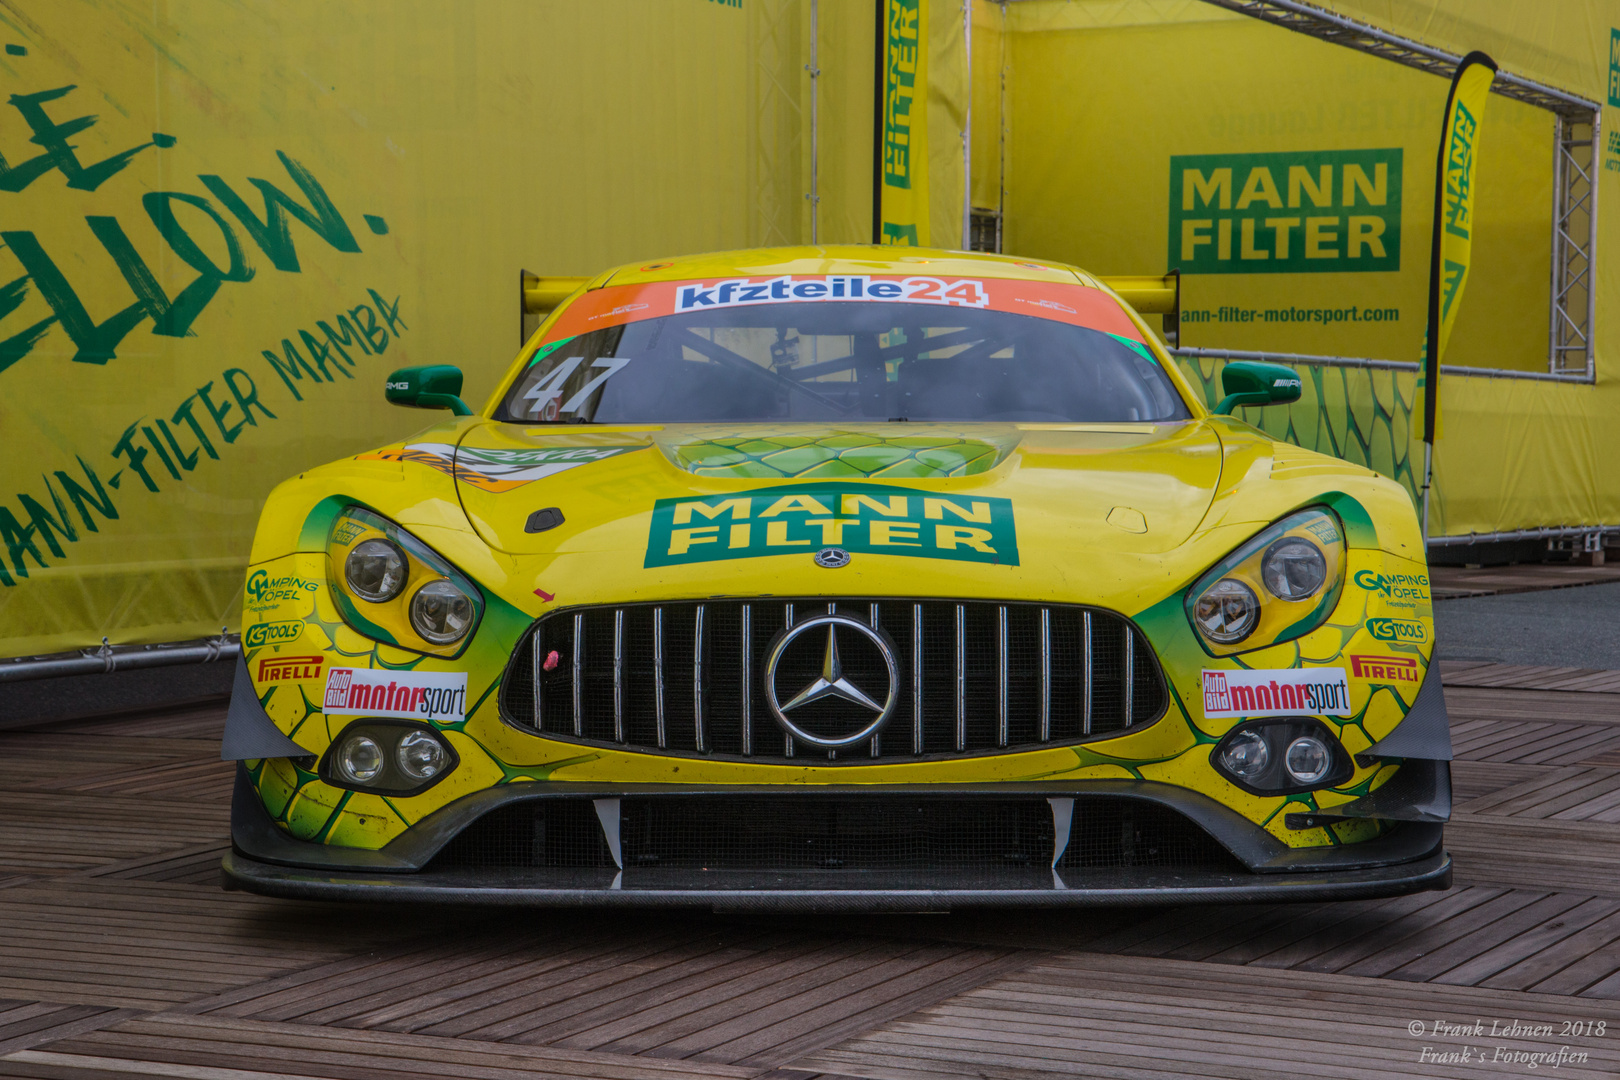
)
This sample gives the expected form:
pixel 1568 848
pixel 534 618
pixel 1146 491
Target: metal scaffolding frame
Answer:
pixel 1576 154
pixel 1574 244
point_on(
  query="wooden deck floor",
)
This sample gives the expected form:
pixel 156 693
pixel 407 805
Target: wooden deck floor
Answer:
pixel 120 956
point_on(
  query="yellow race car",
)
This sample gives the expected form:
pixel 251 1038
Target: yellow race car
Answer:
pixel 839 578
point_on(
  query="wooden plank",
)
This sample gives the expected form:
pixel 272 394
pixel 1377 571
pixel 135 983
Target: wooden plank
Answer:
pixel 1543 941
pixel 194 1045
pixel 1470 935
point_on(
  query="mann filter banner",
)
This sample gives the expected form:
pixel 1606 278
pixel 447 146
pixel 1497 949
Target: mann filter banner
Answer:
pixel 1304 212
pixel 903 137
pixel 1452 251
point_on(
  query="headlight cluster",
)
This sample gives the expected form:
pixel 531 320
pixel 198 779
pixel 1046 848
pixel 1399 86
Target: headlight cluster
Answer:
pixel 1281 757
pixel 396 589
pixel 1279 586
pixel 387 758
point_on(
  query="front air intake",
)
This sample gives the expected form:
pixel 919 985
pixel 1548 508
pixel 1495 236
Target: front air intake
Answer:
pixel 966 677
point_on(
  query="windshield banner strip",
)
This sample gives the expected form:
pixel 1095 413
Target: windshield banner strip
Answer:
pixel 1075 304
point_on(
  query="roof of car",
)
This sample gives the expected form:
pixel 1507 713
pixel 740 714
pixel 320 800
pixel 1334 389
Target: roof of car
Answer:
pixel 840 259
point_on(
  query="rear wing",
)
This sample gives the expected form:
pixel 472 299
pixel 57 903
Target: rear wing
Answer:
pixel 1148 295
pixel 538 296
pixel 1153 296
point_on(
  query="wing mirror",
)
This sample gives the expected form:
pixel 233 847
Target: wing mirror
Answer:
pixel 437 386
pixel 1249 382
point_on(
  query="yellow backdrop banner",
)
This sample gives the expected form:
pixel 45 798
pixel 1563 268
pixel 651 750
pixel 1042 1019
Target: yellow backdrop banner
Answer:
pixel 224 225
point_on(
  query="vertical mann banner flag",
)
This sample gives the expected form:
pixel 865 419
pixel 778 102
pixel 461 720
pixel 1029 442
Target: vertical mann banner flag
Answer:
pixel 900 213
pixel 1453 222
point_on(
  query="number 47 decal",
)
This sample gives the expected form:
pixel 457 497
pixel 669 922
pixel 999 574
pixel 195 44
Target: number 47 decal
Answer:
pixel 546 393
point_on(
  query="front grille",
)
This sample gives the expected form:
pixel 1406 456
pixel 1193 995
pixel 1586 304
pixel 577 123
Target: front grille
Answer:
pixel 973 677
pixel 809 832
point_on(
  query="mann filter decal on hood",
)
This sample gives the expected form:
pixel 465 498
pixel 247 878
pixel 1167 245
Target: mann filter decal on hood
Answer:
pixel 499 469
pixel 1276 692
pixel 804 518
pixel 418 695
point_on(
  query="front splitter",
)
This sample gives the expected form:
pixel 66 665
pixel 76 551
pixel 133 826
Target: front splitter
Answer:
pixel 835 892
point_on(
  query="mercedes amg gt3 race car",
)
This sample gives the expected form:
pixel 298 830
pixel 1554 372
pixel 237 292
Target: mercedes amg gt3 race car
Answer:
pixel 839 578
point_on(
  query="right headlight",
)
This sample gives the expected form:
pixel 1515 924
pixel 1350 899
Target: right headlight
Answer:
pixel 1280 585
pixel 392 587
pixel 387 757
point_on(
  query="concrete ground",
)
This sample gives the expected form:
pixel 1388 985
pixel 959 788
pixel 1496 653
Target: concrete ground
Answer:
pixel 1577 627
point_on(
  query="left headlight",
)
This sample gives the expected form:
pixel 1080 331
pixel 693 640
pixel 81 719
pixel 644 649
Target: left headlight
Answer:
pixel 1280 585
pixel 390 586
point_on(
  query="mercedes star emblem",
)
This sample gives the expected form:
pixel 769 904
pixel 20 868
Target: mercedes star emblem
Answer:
pixel 870 712
pixel 832 558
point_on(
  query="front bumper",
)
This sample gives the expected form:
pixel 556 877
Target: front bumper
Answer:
pixel 1248 864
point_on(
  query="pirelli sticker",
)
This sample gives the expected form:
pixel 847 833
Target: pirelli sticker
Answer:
pixel 804 518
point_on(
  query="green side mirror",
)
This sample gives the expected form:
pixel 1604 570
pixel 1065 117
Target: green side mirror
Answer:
pixel 437 386
pixel 1249 382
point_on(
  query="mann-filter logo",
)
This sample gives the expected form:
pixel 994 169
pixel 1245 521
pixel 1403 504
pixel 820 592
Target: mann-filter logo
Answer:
pixel 1614 67
pixel 804 518
pixel 420 695
pixel 1319 211
pixel 273 633
pixel 1276 692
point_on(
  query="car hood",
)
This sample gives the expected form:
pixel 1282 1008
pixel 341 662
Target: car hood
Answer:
pixel 1046 499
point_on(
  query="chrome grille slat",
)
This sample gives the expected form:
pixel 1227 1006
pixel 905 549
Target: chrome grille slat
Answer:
pixel 1086 673
pixel 1001 675
pixel 916 678
pixel 658 677
pixel 876 743
pixel 618 675
pixel 1046 675
pixel 787 620
pixel 961 678
pixel 578 653
pixel 746 679
pixel 976 677
pixel 538 665
pixel 1130 673
pixel 697 679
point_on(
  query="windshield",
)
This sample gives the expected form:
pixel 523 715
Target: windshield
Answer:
pixel 842 361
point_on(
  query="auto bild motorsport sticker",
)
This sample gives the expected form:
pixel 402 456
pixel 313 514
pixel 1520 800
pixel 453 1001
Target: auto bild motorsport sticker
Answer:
pixel 804 518
pixel 1407 631
pixel 1276 692
pixel 1387 669
pixel 274 633
pixel 419 695
pixel 499 469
